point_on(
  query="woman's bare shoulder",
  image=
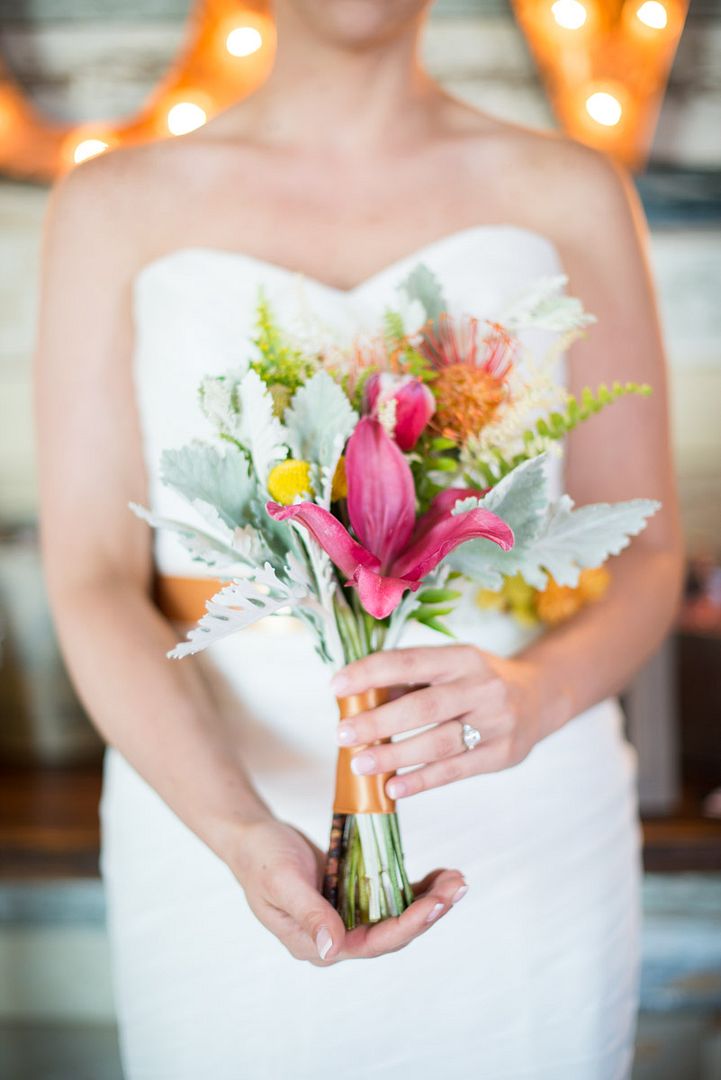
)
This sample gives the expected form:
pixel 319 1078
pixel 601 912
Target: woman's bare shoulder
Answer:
pixel 107 201
pixel 546 180
pixel 135 198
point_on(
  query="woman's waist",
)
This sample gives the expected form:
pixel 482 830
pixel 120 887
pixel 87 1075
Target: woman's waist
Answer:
pixel 272 686
pixel 275 692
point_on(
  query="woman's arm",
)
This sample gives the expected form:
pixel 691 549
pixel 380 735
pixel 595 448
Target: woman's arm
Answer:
pixel 622 453
pixel 98 564
pixel 97 555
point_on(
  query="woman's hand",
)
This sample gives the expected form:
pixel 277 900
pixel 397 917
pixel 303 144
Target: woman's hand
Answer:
pixel 451 685
pixel 281 871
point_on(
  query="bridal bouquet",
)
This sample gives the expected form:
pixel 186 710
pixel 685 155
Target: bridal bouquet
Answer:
pixel 356 485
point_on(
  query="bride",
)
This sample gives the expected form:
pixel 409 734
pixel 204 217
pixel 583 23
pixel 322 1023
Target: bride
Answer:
pixel 346 169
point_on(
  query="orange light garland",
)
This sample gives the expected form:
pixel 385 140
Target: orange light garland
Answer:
pixel 604 62
pixel 227 53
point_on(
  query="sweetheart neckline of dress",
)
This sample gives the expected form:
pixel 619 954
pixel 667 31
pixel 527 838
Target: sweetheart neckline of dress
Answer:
pixel 458 235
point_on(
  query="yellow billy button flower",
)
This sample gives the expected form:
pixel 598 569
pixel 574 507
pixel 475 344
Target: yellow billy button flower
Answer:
pixel 490 600
pixel 520 597
pixel 288 480
pixel 340 482
pixel 518 593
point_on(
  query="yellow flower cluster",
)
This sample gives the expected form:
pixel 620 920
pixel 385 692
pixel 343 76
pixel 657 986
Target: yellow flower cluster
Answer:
pixel 290 480
pixel 552 605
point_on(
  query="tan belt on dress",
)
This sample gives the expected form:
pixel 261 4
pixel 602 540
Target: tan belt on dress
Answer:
pixel 183 600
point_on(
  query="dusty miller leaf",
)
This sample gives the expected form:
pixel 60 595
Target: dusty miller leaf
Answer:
pixel 423 285
pixel 259 431
pixel 570 540
pixel 549 539
pixel 319 421
pixel 544 305
pixel 237 606
pixel 201 474
pixel 519 499
pixel 218 402
pixel 226 553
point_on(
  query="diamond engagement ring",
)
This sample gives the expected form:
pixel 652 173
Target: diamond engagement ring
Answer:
pixel 471 736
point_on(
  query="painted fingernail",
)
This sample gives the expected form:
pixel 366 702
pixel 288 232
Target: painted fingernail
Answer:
pixel 362 764
pixel 339 683
pixel 460 894
pixel 323 942
pixel 434 912
pixel 396 789
pixel 347 735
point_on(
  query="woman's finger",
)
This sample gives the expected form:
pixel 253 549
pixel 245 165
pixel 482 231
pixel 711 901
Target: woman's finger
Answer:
pixel 443 741
pixel 398 667
pixel 443 888
pixel 484 758
pixel 318 919
pixel 418 709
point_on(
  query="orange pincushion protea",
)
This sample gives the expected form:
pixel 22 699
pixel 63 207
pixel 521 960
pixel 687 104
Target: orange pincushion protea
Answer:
pixel 352 367
pixel 466 399
pixel 471 376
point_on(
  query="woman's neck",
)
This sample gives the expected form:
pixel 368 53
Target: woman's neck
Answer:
pixel 343 100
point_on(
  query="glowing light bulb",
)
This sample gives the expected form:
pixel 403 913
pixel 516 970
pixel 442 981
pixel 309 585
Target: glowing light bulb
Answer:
pixel 604 108
pixel 88 148
pixel 184 117
pixel 570 14
pixel 653 14
pixel 243 40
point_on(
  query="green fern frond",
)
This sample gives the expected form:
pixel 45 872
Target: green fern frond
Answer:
pixel 415 363
pixel 269 338
pixel 393 328
pixel 560 424
pixel 557 425
pixel 356 397
pixel 280 364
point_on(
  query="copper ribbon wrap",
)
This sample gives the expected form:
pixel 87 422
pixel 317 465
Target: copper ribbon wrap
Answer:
pixel 360 794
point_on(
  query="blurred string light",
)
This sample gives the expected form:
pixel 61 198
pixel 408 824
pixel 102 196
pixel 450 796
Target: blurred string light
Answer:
pixel 570 14
pixel 88 148
pixel 227 53
pixel 604 108
pixel 184 117
pixel 605 64
pixel 243 40
pixel 653 14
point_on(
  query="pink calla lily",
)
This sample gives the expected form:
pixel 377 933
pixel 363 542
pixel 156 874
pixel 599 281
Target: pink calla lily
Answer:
pixel 414 404
pixel 441 507
pixel 393 552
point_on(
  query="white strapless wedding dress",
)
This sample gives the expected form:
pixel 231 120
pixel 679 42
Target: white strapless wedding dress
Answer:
pixel 535 973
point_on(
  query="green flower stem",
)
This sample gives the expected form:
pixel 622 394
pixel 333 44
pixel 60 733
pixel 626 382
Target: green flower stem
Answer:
pixel 373 883
pixel 398 849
